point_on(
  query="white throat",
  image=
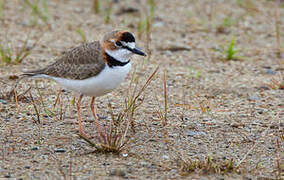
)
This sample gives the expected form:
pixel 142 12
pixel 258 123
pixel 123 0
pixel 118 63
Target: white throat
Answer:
pixel 122 55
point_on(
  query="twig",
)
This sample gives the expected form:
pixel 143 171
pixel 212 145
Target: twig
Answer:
pixel 140 92
pixel 276 15
pixel 278 160
pixel 16 99
pixel 165 98
pixel 38 116
pixel 89 141
pixel 252 148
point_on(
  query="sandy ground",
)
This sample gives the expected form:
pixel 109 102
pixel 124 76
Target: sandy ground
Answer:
pixel 216 108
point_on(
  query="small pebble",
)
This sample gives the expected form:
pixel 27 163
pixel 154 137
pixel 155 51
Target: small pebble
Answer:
pixel 7 176
pixel 263 88
pixel 194 133
pixel 260 111
pixel 165 157
pixel 35 148
pixel 117 172
pixel 124 155
pixel 270 71
pixel 143 163
pixel 253 97
pixel 59 150
pixel 3 101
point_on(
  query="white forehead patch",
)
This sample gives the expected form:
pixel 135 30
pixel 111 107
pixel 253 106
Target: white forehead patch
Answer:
pixel 131 44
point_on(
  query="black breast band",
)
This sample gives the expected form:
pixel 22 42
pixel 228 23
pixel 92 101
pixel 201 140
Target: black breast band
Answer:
pixel 111 61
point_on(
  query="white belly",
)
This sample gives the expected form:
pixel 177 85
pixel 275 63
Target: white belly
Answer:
pixel 103 83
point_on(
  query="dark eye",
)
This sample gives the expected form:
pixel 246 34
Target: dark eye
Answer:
pixel 118 43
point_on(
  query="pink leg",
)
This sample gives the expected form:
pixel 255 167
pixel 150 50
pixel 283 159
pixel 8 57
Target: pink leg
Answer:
pixel 79 116
pixel 96 118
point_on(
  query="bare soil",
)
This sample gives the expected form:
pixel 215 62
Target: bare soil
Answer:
pixel 217 108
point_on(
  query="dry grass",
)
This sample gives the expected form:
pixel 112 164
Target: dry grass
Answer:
pixel 277 82
pixel 114 138
pixel 206 166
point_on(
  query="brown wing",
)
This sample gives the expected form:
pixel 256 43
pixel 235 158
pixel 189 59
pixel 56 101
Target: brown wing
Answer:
pixel 78 63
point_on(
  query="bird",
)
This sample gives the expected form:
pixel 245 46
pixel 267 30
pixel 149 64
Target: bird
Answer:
pixel 92 69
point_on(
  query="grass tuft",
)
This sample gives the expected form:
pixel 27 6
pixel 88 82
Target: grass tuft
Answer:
pixel 81 34
pixel 114 138
pixel 206 166
pixel 164 122
pixel 7 57
pixel 229 52
pixel 108 12
pixel 277 82
pixel 277 29
pixel 36 11
pixel 2 4
pixel 96 6
pixel 145 24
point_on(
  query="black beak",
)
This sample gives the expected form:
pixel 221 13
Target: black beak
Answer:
pixel 138 51
pixel 135 50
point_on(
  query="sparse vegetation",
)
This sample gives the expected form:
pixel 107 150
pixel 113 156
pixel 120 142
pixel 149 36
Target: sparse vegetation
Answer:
pixel 96 6
pixel 7 56
pixel 277 29
pixel 108 12
pixel 229 52
pixel 145 23
pixel 114 137
pixel 37 11
pixel 277 82
pixel 81 34
pixel 208 165
pixel 2 4
pixel 164 122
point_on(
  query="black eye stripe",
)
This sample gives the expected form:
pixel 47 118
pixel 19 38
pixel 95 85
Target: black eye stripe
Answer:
pixel 118 43
pixel 126 47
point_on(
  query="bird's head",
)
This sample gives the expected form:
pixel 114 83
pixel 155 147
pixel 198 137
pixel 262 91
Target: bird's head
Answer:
pixel 120 45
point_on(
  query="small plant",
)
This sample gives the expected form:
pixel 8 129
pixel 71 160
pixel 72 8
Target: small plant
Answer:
pixel 81 34
pixel 277 29
pixel 145 24
pixel 248 5
pixel 196 73
pixel 108 12
pixel 151 4
pixel 140 27
pixel 96 6
pixel 164 122
pixel 279 164
pixel 206 166
pixel 36 11
pixel 2 3
pixel 47 111
pixel 230 52
pixel 228 21
pixel 277 82
pixel 114 137
pixel 7 57
pixel 205 106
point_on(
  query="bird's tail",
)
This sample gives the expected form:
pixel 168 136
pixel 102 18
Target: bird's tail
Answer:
pixel 32 73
